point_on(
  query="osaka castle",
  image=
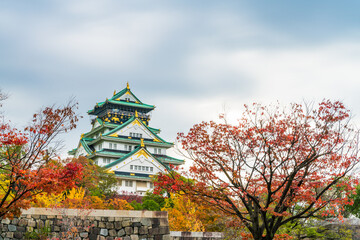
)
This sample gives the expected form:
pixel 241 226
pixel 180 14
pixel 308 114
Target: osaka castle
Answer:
pixel 122 141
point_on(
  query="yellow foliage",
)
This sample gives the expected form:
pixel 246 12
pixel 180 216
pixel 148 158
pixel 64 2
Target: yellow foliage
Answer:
pixel 75 198
pixel 184 215
pixel 119 204
pixel 48 200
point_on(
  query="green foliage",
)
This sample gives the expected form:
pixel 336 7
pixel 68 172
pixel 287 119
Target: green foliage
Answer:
pixel 355 208
pixel 97 181
pixel 40 234
pixel 151 205
pixel 312 229
pixel 136 205
pixel 160 200
pixel 150 202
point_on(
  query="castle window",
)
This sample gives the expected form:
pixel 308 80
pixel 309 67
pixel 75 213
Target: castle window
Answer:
pixel 131 167
pixel 128 183
pixel 115 147
pixel 151 169
pixel 110 145
pixel 159 151
pixel 106 160
pixel 130 148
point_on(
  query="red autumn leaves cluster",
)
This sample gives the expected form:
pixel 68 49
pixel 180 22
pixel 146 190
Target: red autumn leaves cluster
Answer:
pixel 26 165
pixel 274 166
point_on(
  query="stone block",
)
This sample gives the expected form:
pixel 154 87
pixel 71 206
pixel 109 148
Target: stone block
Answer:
pixel 18 235
pixel 12 228
pixel 134 220
pixel 23 222
pixel 95 231
pixel 167 237
pixel 164 230
pixel 104 232
pixel 10 235
pixel 136 224
pixel 143 230
pixel 102 225
pixel 134 237
pixel 112 232
pixel 126 223
pixel 136 230
pixel 153 231
pixel 111 219
pixel 84 234
pixel 118 225
pixel 5 221
pixel 128 230
pixel 121 233
pixel 109 225
pixel 15 221
pixel 31 223
pixel 146 222
pixel 20 229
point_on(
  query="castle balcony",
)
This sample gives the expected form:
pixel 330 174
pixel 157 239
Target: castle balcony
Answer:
pixel 123 113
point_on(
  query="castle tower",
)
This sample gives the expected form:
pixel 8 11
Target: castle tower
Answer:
pixel 122 141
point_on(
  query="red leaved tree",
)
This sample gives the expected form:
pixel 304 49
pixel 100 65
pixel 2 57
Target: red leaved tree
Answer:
pixel 275 166
pixel 26 168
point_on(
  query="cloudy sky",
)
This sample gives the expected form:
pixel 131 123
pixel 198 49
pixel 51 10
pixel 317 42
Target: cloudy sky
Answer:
pixel 192 59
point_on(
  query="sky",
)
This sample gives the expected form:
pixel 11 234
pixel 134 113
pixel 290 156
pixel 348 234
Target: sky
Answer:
pixel 191 59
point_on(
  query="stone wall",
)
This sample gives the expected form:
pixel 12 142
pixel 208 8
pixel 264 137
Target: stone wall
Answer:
pixel 87 224
pixel 196 235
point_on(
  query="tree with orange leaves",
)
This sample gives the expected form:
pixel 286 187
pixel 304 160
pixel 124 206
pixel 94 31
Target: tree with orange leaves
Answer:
pixel 26 168
pixel 277 165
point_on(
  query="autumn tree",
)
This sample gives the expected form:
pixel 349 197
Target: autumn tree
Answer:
pixel 97 181
pixel 27 165
pixel 275 166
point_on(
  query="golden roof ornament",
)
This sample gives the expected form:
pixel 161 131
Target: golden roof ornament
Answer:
pixel 136 114
pixel 127 85
pixel 114 92
pixel 142 143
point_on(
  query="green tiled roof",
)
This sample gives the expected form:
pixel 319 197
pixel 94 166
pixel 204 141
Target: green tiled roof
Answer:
pixel 130 121
pixel 168 159
pixel 155 130
pixel 86 146
pixel 109 153
pixel 113 100
pixel 130 154
pixel 134 177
